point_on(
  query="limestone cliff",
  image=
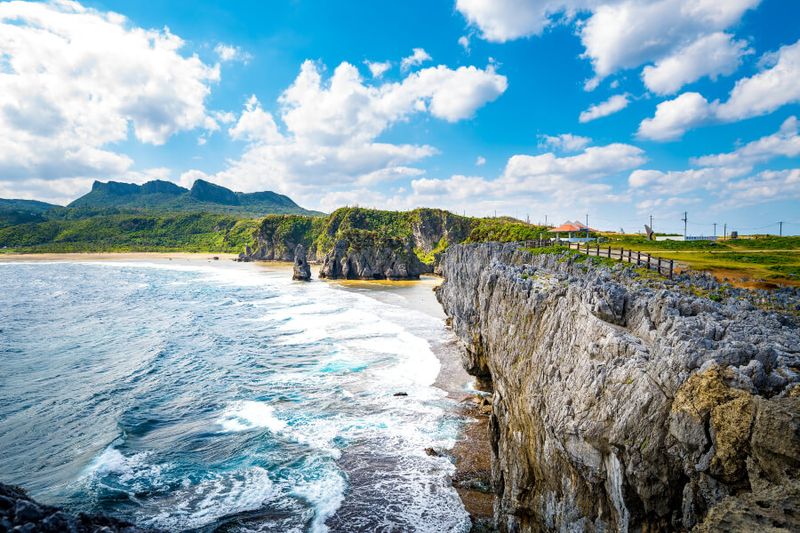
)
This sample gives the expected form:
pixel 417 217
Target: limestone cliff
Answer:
pixel 376 244
pixel 627 403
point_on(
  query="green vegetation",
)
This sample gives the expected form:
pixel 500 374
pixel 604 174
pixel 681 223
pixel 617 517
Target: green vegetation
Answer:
pixel 164 196
pixel 190 232
pixel 744 260
pixel 505 230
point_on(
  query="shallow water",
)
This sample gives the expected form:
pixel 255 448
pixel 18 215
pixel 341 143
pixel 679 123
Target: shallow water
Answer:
pixel 224 397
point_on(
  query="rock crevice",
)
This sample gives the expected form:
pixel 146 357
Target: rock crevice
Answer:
pixel 623 402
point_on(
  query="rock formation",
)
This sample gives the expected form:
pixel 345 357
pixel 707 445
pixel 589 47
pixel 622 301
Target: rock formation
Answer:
pixel 19 513
pixel 622 402
pixel 375 259
pixel 302 270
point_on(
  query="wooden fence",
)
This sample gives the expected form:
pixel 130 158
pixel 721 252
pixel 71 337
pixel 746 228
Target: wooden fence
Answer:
pixel 664 267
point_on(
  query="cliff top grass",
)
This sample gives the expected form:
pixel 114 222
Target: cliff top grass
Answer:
pixel 755 261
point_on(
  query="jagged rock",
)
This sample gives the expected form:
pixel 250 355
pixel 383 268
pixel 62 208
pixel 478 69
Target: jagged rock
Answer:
pixel 626 403
pixel 302 270
pixel 18 512
pixel 371 257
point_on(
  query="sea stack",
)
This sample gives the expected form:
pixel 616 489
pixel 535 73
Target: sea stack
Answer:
pixel 302 270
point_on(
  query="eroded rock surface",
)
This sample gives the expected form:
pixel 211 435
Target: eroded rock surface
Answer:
pixel 625 403
pixel 301 270
pixel 377 259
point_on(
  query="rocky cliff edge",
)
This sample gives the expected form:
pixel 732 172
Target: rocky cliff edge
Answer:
pixel 625 402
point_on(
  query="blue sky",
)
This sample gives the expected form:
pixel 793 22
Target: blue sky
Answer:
pixel 621 109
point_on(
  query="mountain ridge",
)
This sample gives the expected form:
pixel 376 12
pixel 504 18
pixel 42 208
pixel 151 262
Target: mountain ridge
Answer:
pixel 161 195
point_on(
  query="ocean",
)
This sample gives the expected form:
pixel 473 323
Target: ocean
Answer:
pixel 222 396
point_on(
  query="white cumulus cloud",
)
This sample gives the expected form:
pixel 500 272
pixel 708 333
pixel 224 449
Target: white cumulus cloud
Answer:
pixel 378 68
pixel 565 142
pixel 609 107
pixel 418 57
pixel 76 80
pixel 328 130
pixel 753 96
pixel 717 54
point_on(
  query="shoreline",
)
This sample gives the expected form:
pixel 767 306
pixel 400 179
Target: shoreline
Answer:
pixel 112 256
pixel 470 453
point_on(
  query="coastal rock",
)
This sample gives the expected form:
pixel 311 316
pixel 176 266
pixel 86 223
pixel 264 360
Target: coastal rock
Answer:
pixel 302 270
pixel 626 403
pixel 366 256
pixel 18 512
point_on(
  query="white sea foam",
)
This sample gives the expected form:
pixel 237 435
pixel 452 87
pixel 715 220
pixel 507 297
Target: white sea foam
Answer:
pixel 325 494
pixel 215 497
pixel 246 415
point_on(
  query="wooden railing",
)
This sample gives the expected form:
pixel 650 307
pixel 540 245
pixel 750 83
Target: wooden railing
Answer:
pixel 665 267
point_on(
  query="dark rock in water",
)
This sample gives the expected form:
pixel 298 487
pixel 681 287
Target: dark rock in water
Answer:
pixel 302 270
pixel 367 256
pixel 400 394
pixel 215 258
pixel 622 403
pixel 20 513
pixel 432 452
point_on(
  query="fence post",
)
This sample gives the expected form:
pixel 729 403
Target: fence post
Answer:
pixel 638 258
pixel 670 268
pixel 648 261
pixel 659 265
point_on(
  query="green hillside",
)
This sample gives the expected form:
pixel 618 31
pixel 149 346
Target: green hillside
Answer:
pixel 189 232
pixel 165 196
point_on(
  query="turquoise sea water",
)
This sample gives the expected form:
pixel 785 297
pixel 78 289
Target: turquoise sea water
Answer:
pixel 223 397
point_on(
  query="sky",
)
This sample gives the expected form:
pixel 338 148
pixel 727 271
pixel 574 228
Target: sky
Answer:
pixel 539 109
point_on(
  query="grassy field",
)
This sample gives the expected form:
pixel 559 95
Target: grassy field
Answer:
pixel 760 261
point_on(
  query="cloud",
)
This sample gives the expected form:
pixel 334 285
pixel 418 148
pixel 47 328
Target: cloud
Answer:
pixel 377 68
pixel 463 41
pixel 255 125
pixel 609 107
pixel 784 143
pixel 565 142
pixel 626 34
pixel 326 132
pixel 480 161
pixel 681 181
pixel 504 20
pixel 728 176
pixel 766 186
pixel 419 57
pixel 527 180
pixel 717 54
pixel 62 191
pixel 674 117
pixel 77 80
pixel 616 34
pixel 228 53
pixel 757 95
pixel 766 91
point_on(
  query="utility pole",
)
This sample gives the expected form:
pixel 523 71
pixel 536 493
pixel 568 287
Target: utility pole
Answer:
pixel 780 231
pixel 685 221
pixel 715 229
pixel 587 225
pixel 725 230
pixel 651 222
pixel 545 220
